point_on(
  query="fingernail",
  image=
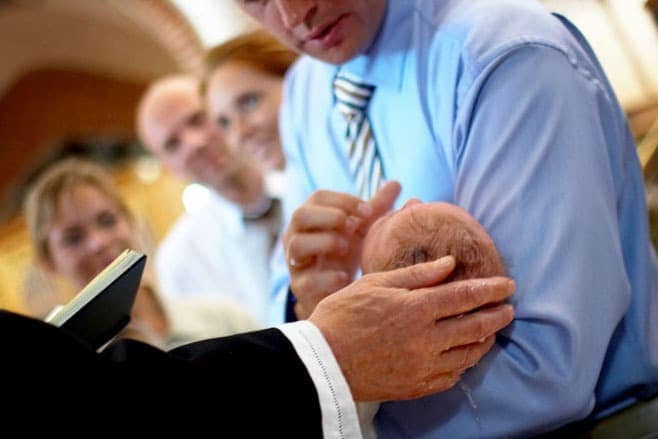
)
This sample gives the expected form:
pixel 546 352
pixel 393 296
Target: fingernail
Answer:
pixel 343 246
pixel 364 209
pixel 445 261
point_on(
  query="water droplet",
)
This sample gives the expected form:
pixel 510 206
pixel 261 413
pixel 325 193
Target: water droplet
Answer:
pixel 473 405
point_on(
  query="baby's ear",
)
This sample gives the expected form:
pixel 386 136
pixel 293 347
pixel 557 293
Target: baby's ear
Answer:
pixel 410 202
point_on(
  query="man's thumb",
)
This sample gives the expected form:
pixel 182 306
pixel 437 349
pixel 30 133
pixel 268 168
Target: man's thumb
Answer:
pixel 419 275
pixel 384 199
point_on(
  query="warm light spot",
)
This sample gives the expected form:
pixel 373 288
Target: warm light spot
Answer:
pixel 147 169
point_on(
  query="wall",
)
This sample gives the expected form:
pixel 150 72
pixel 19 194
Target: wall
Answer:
pixel 625 38
pixel 46 106
pixel 214 20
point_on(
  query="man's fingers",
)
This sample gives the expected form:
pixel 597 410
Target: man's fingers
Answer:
pixel 336 210
pixel 441 383
pixel 417 276
pixel 349 204
pixel 314 217
pixel 438 383
pixel 304 246
pixel 446 370
pixel 472 328
pixel 328 281
pixel 379 204
pixel 455 298
pixel 311 218
pixel 462 357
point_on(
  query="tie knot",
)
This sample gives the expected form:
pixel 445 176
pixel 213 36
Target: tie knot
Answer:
pixel 352 96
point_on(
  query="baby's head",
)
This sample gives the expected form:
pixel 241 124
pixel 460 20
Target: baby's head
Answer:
pixel 421 232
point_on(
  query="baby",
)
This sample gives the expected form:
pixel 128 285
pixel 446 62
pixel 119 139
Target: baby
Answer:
pixel 421 232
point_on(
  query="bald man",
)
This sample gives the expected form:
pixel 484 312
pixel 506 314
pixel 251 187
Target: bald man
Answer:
pixel 220 250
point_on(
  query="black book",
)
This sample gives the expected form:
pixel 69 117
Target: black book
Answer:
pixel 102 308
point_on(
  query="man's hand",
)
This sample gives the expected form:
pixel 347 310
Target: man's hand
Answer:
pixel 400 335
pixel 324 239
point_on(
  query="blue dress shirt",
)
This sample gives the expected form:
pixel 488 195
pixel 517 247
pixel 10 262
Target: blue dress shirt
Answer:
pixel 502 108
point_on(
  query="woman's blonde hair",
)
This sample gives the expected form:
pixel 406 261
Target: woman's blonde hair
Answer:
pixel 258 49
pixel 60 179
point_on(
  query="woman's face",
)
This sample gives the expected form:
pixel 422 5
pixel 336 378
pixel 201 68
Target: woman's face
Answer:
pixel 87 231
pixel 244 103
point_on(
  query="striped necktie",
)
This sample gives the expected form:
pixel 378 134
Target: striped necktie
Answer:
pixel 352 99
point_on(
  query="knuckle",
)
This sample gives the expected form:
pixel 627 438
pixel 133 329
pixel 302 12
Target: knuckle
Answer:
pixel 339 216
pixel 294 218
pixel 460 359
pixel 296 285
pixel 298 217
pixel 293 244
pixel 471 357
pixel 480 327
pixel 417 314
pixel 336 241
pixel 453 379
pixel 303 286
pixel 468 293
pixel 318 195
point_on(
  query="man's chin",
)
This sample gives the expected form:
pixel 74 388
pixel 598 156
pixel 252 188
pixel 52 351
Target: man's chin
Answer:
pixel 208 179
pixel 336 59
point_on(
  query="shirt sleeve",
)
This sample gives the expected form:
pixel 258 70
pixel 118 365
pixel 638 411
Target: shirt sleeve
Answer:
pixel 534 169
pixel 339 415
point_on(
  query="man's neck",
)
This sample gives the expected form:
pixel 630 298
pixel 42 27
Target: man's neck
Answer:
pixel 244 188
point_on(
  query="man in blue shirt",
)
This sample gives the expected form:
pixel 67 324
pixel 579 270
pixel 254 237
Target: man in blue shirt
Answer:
pixel 503 109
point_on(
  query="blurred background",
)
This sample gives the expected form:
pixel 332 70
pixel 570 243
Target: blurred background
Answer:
pixel 73 71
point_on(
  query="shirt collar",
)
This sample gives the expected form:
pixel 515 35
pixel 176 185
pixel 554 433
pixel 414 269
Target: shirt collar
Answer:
pixel 391 44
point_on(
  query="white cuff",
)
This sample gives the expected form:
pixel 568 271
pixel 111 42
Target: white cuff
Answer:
pixel 339 416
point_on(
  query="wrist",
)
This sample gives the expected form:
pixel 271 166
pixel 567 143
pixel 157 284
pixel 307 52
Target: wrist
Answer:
pixel 334 343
